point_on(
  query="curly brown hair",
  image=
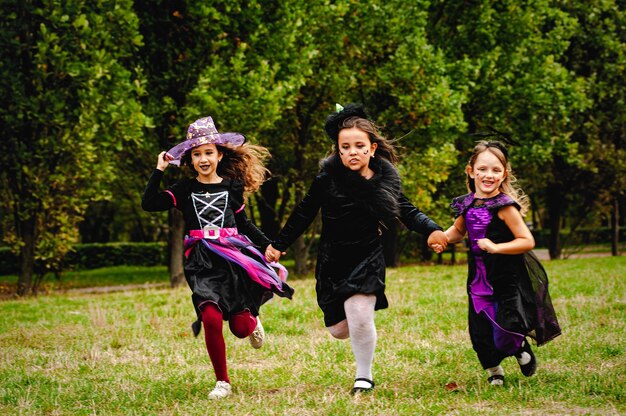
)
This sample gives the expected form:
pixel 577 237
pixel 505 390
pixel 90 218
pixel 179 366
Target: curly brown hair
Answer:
pixel 245 163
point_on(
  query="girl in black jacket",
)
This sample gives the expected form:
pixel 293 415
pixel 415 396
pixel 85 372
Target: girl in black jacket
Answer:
pixel 357 190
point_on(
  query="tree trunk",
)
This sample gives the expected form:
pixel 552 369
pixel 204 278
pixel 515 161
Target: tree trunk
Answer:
pixel 266 204
pixel 301 256
pixel 615 228
pixel 554 202
pixel 426 253
pixel 177 229
pixel 27 256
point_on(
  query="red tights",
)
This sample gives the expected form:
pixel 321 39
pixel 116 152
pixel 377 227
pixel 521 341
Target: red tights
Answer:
pixel 241 325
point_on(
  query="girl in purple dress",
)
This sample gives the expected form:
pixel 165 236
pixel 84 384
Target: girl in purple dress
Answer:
pixel 507 286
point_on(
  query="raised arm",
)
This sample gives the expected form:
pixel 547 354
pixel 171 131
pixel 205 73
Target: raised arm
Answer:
pixel 153 199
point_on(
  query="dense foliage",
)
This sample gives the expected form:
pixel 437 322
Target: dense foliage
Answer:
pixel 94 90
pixel 97 255
pixel 70 106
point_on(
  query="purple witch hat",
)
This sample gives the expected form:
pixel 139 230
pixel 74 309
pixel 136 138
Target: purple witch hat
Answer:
pixel 201 132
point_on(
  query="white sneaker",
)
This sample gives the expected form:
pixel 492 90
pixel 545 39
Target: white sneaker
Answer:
pixel 222 389
pixel 258 335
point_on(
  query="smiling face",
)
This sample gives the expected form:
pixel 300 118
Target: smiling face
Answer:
pixel 488 172
pixel 204 160
pixel 355 149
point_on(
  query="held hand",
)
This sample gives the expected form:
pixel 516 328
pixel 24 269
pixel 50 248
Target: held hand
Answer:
pixel 438 238
pixel 487 245
pixel 272 255
pixel 437 248
pixel 163 161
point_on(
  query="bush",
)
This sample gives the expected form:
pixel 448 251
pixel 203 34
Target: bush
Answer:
pixel 582 236
pixel 409 245
pixel 96 255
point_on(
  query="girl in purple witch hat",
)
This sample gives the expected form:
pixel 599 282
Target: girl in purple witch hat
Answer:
pixel 358 191
pixel 507 286
pixel 224 262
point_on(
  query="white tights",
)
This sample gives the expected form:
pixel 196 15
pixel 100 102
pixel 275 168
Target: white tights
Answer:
pixel 360 328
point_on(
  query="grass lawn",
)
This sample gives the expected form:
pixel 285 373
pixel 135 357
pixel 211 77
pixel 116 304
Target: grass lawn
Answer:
pixel 132 353
pixel 106 276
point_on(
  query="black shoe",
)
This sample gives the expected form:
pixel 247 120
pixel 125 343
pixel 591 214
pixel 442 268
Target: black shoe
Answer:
pixel 196 327
pixel 529 368
pixel 363 389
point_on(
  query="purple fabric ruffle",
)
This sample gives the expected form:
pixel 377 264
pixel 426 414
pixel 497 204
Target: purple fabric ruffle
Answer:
pixel 269 275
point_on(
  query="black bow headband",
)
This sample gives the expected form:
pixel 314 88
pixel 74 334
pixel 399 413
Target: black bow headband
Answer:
pixel 500 136
pixel 335 120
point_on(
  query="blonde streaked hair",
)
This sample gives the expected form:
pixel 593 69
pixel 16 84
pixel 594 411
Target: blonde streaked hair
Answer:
pixel 509 184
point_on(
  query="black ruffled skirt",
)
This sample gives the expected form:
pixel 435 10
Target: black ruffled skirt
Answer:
pixel 215 279
pixel 342 272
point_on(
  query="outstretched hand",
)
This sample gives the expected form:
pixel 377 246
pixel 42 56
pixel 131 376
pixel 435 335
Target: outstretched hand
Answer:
pixel 438 241
pixel 272 255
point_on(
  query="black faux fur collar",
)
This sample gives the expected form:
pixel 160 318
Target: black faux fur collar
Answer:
pixel 379 194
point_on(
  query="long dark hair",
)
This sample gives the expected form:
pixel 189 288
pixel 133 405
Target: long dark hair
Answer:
pixel 385 147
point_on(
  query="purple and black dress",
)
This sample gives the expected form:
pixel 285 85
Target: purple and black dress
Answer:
pixel 224 261
pixel 508 294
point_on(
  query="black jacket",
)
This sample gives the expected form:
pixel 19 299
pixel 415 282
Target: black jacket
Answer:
pixel 354 210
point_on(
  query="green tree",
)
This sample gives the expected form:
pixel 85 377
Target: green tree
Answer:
pixel 405 82
pixel 206 59
pixel 507 54
pixel 597 52
pixel 375 54
pixel 274 71
pixel 70 107
pixel 252 89
pixel 305 57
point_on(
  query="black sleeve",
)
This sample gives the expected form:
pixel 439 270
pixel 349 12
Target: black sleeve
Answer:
pixel 245 225
pixel 153 199
pixel 302 216
pixel 414 219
